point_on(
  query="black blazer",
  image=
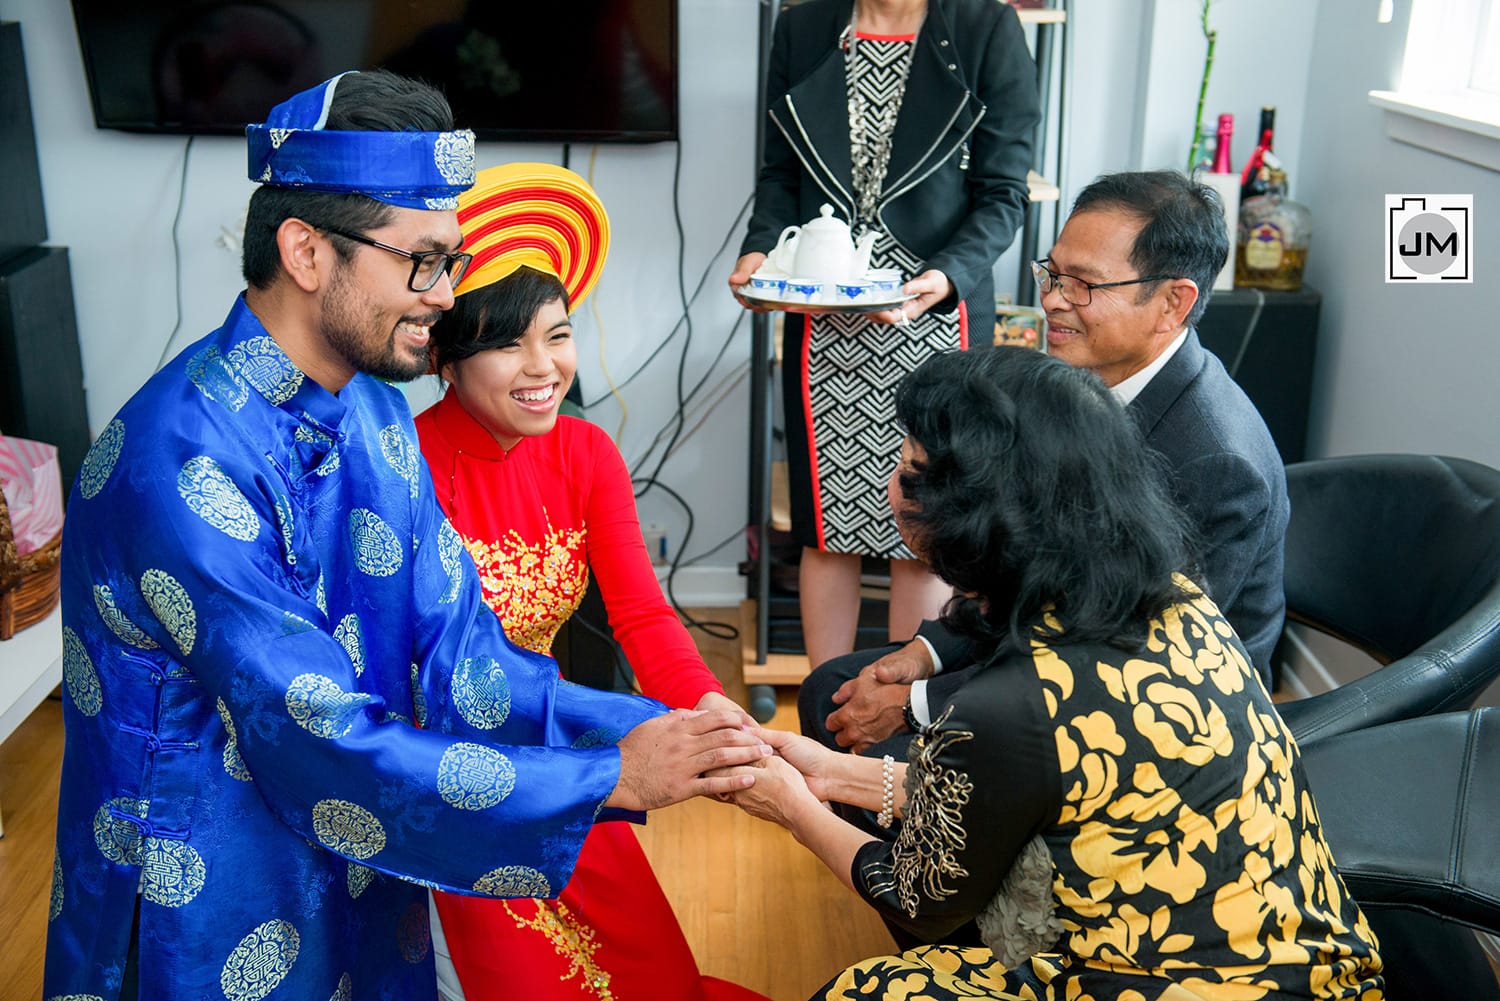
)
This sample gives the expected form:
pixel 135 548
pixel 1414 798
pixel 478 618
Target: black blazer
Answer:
pixel 955 190
pixel 1228 477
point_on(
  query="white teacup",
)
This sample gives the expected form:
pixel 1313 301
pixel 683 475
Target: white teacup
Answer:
pixel 769 286
pixel 804 289
pixel 884 282
pixel 853 291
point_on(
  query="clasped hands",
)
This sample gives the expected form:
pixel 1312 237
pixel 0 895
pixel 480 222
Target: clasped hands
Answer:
pixel 715 749
pixel 803 773
pixel 870 704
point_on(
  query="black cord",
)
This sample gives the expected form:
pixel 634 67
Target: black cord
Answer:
pixel 718 630
pixel 678 418
pixel 1239 356
pixel 177 252
pixel 692 394
pixel 736 534
pixel 702 279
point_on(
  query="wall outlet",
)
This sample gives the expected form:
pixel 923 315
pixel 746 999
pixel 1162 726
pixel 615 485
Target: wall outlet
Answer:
pixel 656 544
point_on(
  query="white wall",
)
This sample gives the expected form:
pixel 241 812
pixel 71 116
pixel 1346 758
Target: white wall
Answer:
pixel 1401 368
pixel 111 199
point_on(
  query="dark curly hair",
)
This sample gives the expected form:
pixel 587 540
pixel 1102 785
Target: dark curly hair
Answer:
pixel 493 316
pixel 1037 494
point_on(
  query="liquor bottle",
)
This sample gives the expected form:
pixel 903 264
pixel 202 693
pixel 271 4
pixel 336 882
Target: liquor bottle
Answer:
pixel 1273 235
pixel 1253 181
pixel 1222 162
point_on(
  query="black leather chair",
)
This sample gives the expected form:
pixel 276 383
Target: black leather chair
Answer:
pixel 1399 556
pixel 1411 812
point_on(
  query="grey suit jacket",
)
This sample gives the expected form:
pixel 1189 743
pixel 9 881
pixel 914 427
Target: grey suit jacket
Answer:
pixel 1228 477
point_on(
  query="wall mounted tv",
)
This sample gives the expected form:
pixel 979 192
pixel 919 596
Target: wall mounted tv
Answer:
pixel 555 71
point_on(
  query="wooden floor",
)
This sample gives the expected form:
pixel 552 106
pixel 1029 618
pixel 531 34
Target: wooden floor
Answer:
pixel 756 908
pixel 30 762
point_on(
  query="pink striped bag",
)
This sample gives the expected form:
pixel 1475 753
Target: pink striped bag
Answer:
pixel 32 485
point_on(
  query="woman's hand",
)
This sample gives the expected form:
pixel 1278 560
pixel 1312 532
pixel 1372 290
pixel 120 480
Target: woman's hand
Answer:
pixel 930 288
pixel 815 762
pixel 743 269
pixel 780 794
pixel 718 700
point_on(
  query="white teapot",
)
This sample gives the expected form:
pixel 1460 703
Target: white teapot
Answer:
pixel 822 249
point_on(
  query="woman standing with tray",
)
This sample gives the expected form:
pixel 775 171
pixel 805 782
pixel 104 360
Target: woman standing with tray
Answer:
pixel 914 119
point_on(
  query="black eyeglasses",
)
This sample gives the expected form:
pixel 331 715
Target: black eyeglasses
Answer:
pixel 1075 289
pixel 426 265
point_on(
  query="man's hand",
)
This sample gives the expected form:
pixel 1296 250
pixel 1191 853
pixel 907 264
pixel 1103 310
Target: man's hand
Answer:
pixel 912 662
pixel 870 705
pixel 662 760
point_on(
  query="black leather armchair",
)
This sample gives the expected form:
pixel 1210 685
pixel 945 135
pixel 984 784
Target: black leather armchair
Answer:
pixel 1398 555
pixel 1411 812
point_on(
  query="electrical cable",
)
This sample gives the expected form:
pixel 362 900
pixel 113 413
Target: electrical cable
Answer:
pixel 739 375
pixel 656 439
pixel 736 534
pixel 687 337
pixel 679 419
pixel 702 279
pixel 187 150
pixel 716 396
pixel 718 630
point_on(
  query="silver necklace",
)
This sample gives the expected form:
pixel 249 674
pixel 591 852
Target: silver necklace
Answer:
pixel 870 141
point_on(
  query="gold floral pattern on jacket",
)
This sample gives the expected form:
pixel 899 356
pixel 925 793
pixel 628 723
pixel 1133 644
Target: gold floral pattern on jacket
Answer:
pixel 572 938
pixel 533 587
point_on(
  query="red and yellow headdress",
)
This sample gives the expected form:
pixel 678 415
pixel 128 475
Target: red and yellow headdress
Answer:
pixel 535 215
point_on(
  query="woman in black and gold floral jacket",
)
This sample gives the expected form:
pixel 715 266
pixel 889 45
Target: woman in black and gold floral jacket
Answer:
pixel 1114 798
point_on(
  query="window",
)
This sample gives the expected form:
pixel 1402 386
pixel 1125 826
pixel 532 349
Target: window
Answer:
pixel 1448 99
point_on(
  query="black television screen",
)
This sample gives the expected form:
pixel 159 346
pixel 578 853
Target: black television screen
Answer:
pixel 555 71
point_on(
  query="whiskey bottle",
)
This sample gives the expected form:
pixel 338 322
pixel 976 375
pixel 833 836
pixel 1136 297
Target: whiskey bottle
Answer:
pixel 1253 180
pixel 1273 235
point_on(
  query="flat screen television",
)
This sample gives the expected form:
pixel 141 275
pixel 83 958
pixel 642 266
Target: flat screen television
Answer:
pixel 550 71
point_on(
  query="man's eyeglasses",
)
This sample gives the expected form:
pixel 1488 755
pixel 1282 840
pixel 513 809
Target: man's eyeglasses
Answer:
pixel 1076 290
pixel 426 265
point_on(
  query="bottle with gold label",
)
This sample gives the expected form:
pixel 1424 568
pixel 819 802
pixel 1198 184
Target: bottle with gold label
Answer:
pixel 1273 238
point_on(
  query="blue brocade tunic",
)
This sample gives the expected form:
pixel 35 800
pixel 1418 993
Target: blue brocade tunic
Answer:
pixel 261 597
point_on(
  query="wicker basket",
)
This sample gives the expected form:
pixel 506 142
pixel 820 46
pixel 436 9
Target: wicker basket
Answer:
pixel 29 583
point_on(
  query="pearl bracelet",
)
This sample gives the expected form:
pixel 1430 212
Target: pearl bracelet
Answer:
pixel 887 815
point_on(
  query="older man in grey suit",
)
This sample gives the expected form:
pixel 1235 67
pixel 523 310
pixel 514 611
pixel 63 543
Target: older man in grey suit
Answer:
pixel 1123 287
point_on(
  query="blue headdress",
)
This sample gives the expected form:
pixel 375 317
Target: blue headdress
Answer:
pixel 414 170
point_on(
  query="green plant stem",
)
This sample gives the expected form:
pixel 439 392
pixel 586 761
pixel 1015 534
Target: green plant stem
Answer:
pixel 1208 65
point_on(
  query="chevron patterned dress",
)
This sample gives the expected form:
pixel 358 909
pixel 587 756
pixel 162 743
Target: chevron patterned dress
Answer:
pixel 850 367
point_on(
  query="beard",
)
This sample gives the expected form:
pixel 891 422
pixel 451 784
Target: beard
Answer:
pixel 350 325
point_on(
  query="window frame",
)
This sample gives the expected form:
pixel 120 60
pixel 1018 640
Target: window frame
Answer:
pixel 1448 100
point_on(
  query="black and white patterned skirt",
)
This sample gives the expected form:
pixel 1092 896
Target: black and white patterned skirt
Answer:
pixel 840 373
